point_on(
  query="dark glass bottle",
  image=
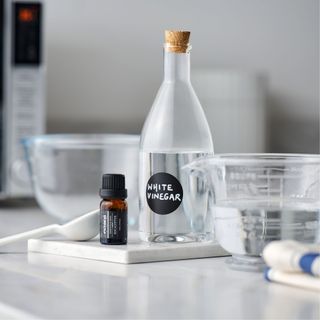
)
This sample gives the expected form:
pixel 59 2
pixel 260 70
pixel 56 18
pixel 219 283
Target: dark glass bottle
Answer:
pixel 113 210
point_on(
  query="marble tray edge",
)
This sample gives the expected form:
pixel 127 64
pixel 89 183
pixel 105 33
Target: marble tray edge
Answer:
pixel 123 256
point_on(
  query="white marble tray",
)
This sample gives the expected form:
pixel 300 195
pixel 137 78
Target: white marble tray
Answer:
pixel 133 252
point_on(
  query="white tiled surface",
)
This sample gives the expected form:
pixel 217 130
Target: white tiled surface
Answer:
pixel 49 286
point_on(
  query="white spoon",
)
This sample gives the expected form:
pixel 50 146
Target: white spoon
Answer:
pixel 82 228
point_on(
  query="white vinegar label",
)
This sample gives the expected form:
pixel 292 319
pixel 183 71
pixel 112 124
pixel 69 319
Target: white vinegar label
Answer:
pixel 164 193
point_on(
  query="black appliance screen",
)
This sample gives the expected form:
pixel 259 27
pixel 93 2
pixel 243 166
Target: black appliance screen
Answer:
pixel 27 34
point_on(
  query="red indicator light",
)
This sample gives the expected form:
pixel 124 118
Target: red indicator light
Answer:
pixel 26 15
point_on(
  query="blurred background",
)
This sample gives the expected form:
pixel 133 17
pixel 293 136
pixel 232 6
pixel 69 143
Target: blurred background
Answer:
pixel 104 67
pixel 94 66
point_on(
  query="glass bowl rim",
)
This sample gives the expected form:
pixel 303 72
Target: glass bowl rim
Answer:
pixel 239 159
pixel 79 140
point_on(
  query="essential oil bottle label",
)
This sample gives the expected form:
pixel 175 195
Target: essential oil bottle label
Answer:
pixel 113 225
pixel 164 193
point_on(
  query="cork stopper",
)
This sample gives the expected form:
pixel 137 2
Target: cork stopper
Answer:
pixel 177 41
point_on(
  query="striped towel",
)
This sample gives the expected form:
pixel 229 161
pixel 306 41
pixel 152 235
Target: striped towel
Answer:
pixel 293 263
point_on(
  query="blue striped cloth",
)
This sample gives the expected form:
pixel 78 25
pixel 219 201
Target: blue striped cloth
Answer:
pixel 293 263
pixel 310 263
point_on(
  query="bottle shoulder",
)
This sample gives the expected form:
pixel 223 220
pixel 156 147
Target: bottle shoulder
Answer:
pixel 176 120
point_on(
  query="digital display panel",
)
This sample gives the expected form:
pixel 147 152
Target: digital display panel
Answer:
pixel 27 33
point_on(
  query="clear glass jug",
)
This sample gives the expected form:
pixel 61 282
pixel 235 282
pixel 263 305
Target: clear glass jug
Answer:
pixel 258 198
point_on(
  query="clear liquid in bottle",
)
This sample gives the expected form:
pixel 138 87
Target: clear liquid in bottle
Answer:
pixel 184 223
pixel 173 208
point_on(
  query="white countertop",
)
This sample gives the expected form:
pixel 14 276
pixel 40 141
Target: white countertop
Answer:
pixel 46 286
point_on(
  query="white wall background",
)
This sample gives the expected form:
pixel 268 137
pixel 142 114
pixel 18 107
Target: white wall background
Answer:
pixel 105 60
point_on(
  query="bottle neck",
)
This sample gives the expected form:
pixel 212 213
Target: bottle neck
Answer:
pixel 176 66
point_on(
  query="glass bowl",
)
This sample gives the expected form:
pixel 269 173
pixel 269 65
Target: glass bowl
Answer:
pixel 258 198
pixel 66 171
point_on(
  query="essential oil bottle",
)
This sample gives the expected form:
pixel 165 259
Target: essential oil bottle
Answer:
pixel 113 210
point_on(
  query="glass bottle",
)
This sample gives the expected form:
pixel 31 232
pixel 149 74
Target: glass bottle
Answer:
pixel 113 210
pixel 172 208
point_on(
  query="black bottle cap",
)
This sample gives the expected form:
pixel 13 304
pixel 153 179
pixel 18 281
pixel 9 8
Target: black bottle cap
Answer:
pixel 113 186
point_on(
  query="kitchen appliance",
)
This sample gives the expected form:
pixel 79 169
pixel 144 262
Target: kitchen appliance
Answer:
pixel 259 198
pixel 22 94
